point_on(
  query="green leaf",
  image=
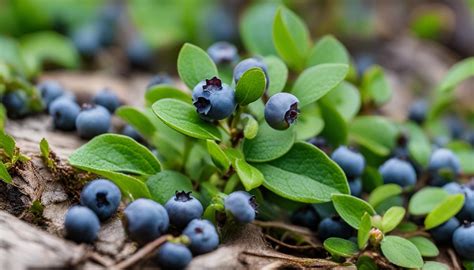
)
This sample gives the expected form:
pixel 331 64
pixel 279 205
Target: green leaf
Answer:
pixel 375 86
pixel 425 246
pixel 382 193
pixel 45 154
pixel 3 117
pixel 425 200
pixel 345 98
pixel 49 47
pixel 256 28
pixel 164 184
pixel 456 74
pixel 335 127
pixel 10 53
pixel 269 144
pixel 137 119
pixel 310 122
pixel 4 175
pixel 250 176
pixel 401 252
pixel 194 65
pixel 466 158
pixel 250 86
pixel 363 233
pixel 392 218
pixel 366 263
pixel 304 174
pixel 277 74
pixel 371 179
pixel 376 133
pixel 290 38
pixel 116 153
pixel 351 209
pixel 407 226
pixel 182 117
pixel 449 207
pixel 430 265
pixel 328 50
pixel 339 247
pixel 131 186
pixel 317 81
pixel 250 127
pixel 7 143
pixel 419 145
pixel 218 156
pixel 162 91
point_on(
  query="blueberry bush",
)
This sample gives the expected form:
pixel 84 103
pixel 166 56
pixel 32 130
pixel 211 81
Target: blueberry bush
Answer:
pixel 288 137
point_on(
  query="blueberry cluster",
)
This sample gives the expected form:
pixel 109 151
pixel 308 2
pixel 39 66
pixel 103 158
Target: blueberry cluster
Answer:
pixel 353 164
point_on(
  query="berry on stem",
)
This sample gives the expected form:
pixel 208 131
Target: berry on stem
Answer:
pixel 182 208
pixel 281 111
pixel 213 99
pixel 242 206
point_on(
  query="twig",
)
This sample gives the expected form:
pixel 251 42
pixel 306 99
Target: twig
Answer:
pixel 280 225
pixel 281 243
pixel 454 259
pixel 142 253
pixel 100 259
pixel 309 262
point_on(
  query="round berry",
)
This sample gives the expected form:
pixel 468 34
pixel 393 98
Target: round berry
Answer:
pixel 281 111
pixel 463 241
pixel 444 165
pixel 241 205
pixel 173 256
pixel 453 188
pixel 50 90
pixel 16 104
pixel 81 224
pixel 356 187
pixel 467 211
pixel 444 232
pixel 334 227
pixel 139 54
pixel 107 99
pixel 203 236
pixel 93 120
pixel 247 64
pixel 418 110
pixel 101 196
pixel 87 40
pixel 158 79
pixel 64 112
pixel 145 220
pixel 397 171
pixel 223 53
pixel 213 99
pixel 350 161
pixel 306 216
pixel 182 208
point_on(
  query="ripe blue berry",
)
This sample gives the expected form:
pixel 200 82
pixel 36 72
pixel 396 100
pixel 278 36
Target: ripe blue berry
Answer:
pixel 455 126
pixel 247 64
pixel 16 104
pixel 101 196
pixel 281 111
pixel 50 90
pixel 161 78
pixel 87 40
pixel 203 236
pixel 418 110
pixel 463 241
pixel 306 216
pixel 139 53
pixel 173 256
pixel 397 171
pixel 350 161
pixel 213 99
pixel 334 227
pixel 93 120
pixel 223 53
pixel 107 99
pixel 467 211
pixel 356 187
pixel 241 205
pixel 444 232
pixel 182 208
pixel 64 112
pixel 453 188
pixel 444 166
pixel 81 224
pixel 145 220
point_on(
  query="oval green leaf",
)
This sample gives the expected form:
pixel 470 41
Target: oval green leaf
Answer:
pixel 381 193
pixel 425 246
pixel 430 265
pixel 310 123
pixel 376 133
pixel 4 175
pixel 419 145
pixel 345 98
pixel 425 200
pixel 328 50
pixel 351 209
pixel 250 86
pixel 163 185
pixel 339 247
pixel 194 65
pixel 218 156
pixel 375 87
pixel 449 207
pixel 277 74
pixel 250 176
pixel 137 119
pixel 401 252
pixel 250 127
pixel 392 218
pixel 162 91
pixel 456 74
pixel 363 233
pixel 335 127
pixel 256 28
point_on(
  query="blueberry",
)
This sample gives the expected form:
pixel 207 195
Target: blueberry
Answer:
pixel 241 205
pixel 213 99
pixel 107 99
pixel 463 241
pixel 444 232
pixel 173 256
pixel 363 62
pixel 455 126
pixel 223 53
pixel 87 40
pixel 107 23
pixel 16 104
pixel 221 23
pixel 145 220
pixel 139 54
pixel 101 196
pixel 64 112
pixel 418 110
pixel 81 224
pixel 247 64
pixel 182 208
pixel 158 79
pixel 281 111
pixel 306 216
pixel 398 172
pixel 444 166
pixel 350 161
pixel 467 211
pixel 334 227
pixel 93 120
pixel 203 236
pixel 50 90
pixel 356 187
pixel 453 188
